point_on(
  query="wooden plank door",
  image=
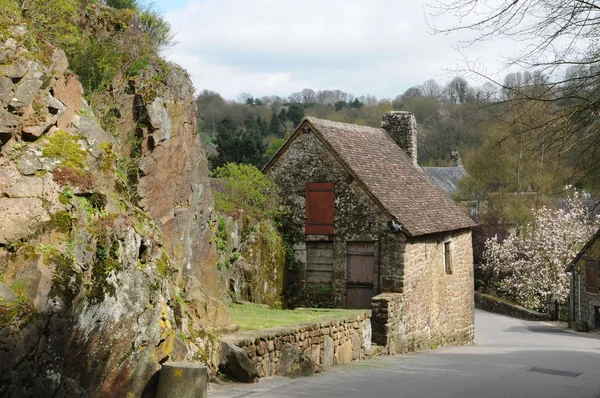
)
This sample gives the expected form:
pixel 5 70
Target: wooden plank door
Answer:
pixel 319 208
pixel 359 274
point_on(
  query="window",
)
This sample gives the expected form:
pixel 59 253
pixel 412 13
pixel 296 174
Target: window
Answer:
pixel 448 257
pixel 591 276
pixel 473 209
pixel 319 208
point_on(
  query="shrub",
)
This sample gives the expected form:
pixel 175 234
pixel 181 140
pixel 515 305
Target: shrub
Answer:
pixel 157 29
pixel 243 186
pixel 83 179
pixel 121 4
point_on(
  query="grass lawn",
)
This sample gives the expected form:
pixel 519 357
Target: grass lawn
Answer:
pixel 255 316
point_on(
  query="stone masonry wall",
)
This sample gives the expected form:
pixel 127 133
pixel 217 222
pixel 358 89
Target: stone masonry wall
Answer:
pixel 327 343
pixel 584 309
pixel 439 307
pixel 402 127
pixel 387 322
pixel 357 217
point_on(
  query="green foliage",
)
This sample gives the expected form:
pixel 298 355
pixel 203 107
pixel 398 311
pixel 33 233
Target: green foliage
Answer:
pixel 64 147
pixel 317 296
pixel 16 313
pixel 238 144
pixel 121 4
pixel 138 66
pixel 163 265
pixel 97 62
pixel 106 262
pixel 274 147
pixel 157 29
pixel 98 58
pixel 245 187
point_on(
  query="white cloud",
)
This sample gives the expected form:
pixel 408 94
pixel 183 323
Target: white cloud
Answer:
pixel 264 47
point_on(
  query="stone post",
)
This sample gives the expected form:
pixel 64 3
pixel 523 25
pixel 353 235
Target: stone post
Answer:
pixel 402 127
pixel 182 380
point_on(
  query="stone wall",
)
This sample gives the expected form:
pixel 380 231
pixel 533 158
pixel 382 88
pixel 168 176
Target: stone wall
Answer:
pixel 499 306
pixel 387 321
pixel 326 343
pixel 583 301
pixel 439 306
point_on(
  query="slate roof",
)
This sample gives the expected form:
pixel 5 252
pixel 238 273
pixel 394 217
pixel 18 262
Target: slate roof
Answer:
pixel 447 178
pixel 400 188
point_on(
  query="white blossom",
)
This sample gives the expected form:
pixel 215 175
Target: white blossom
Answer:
pixel 529 267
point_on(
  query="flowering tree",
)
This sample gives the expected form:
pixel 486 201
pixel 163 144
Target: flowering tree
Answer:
pixel 529 267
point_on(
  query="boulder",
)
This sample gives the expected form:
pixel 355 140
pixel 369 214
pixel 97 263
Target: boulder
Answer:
pixel 19 216
pixel 6 89
pixel 15 70
pixel 160 120
pixel 9 125
pixel 59 63
pixel 294 363
pixel 235 363
pixel 26 89
pixel 6 293
pixel 182 380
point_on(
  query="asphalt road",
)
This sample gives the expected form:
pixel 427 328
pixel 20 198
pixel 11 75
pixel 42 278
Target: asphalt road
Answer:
pixel 511 358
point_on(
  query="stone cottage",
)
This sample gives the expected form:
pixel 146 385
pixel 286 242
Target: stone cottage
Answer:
pixel 366 219
pixel 585 291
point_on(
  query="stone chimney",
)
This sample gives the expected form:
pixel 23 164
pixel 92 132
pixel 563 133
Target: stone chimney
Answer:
pixel 455 159
pixel 402 127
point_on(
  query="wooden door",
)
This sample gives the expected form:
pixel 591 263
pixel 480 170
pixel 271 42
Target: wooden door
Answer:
pixel 359 274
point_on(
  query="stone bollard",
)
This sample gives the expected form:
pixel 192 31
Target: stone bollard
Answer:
pixel 182 380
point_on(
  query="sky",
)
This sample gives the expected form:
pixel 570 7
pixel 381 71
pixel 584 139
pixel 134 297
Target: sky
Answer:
pixel 277 47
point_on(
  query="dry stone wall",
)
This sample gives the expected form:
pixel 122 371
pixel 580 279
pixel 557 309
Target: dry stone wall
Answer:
pixel 387 321
pixel 326 343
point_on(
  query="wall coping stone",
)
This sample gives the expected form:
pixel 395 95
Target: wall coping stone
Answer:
pixel 242 339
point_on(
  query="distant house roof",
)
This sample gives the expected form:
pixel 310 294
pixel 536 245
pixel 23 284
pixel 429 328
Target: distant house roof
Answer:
pixel 401 189
pixel 447 178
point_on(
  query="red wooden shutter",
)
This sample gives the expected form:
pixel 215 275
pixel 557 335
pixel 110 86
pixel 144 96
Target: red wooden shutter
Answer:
pixel 319 208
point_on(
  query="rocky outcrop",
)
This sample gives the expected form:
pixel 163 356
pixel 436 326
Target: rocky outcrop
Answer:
pixel 106 263
pixel 251 264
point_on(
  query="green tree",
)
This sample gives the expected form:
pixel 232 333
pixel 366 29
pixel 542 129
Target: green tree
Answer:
pixel 238 145
pixel 295 113
pixel 276 128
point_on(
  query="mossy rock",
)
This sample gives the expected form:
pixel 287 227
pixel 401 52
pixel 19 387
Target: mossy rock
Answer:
pixel 65 147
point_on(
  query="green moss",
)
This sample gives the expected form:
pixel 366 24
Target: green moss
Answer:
pixel 109 158
pixel 64 147
pixel 163 265
pixel 106 262
pixel 16 313
pixel 67 277
pixel 63 199
pixel 62 221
